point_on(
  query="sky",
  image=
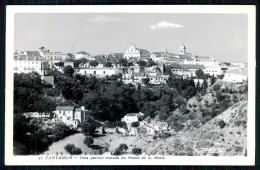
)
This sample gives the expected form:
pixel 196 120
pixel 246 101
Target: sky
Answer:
pixel 220 36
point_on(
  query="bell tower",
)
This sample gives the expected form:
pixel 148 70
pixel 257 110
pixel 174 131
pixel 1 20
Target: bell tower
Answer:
pixel 182 49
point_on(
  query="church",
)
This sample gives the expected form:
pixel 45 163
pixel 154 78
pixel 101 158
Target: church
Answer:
pixel 136 53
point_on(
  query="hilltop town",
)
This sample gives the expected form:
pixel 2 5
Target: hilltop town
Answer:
pixel 135 102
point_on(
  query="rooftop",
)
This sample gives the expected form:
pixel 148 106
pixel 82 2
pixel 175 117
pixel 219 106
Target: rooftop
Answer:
pixel 243 72
pixel 65 108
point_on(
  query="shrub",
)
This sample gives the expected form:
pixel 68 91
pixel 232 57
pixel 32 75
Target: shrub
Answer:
pixel 76 151
pixel 164 135
pixel 69 147
pixel 221 124
pixel 155 137
pixel 136 151
pixel 123 146
pixel 118 151
pixel 88 140
pixel 234 98
pixel 216 87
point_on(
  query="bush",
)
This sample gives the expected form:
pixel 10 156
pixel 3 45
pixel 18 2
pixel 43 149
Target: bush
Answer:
pixel 123 146
pixel 164 135
pixel 136 151
pixel 216 87
pixel 88 140
pixel 70 148
pixel 118 151
pixel 155 137
pixel 76 151
pixel 234 98
pixel 221 124
pixel 135 124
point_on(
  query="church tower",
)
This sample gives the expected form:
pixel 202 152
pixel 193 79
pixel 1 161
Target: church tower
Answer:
pixel 182 49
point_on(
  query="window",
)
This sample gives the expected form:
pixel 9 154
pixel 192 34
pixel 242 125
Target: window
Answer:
pixel 94 72
pixel 104 72
pixel 85 72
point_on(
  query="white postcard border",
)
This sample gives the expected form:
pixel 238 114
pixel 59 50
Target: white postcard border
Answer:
pixel 10 159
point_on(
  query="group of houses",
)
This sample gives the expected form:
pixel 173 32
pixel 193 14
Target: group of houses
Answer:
pixel 182 64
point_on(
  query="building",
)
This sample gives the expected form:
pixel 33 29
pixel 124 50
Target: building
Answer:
pixel 158 78
pixel 238 75
pixel 155 78
pixel 55 56
pixel 137 53
pixel 133 117
pixel 185 70
pixel 83 54
pixel 70 115
pixel 98 72
pixel 29 61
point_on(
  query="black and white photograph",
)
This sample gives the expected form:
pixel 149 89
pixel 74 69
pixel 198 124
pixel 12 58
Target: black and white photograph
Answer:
pixel 130 85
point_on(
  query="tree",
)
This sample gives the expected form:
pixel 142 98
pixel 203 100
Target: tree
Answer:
pixel 130 64
pixel 212 80
pixel 93 63
pixel 234 98
pixel 135 125
pixel 205 85
pixel 88 127
pixel 199 74
pixel 123 62
pixel 151 63
pixel 146 81
pixel 68 70
pixel 179 101
pixel 60 64
pixel 45 105
pixel 164 113
pixel 142 63
pixel 108 64
pixel 221 76
pixel 88 141
pixel 27 87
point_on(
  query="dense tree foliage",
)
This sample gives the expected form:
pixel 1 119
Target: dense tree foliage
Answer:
pixel 93 63
pixel 68 70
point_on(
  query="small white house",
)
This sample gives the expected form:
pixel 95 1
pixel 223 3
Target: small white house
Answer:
pixel 133 117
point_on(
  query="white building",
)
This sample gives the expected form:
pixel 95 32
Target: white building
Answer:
pixel 98 72
pixel 29 61
pixel 185 70
pixel 55 56
pixel 133 117
pixel 137 53
pixel 238 75
pixel 70 115
pixel 83 54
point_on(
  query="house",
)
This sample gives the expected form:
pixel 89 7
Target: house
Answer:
pixel 37 115
pixel 29 61
pixel 133 117
pixel 83 54
pixel 55 56
pixel 185 70
pixel 70 115
pixel 98 72
pixel 158 78
pixel 238 75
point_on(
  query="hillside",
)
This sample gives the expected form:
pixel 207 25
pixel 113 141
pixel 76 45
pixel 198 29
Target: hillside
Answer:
pixel 210 138
pixel 223 133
